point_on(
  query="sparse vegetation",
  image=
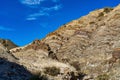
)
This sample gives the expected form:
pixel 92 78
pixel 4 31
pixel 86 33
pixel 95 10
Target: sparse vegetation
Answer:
pixel 107 9
pixel 76 65
pixel 65 60
pixel 74 76
pixel 39 77
pixel 53 71
pixel 101 14
pixel 52 55
pixel 5 45
pixel 92 22
pixel 116 53
pixel 103 77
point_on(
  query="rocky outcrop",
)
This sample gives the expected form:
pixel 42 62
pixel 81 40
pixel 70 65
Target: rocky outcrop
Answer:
pixel 4 53
pixel 8 44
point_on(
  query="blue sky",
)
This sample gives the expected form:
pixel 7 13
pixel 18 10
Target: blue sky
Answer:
pixel 23 21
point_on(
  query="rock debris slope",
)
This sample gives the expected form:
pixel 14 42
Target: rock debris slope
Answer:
pixel 86 49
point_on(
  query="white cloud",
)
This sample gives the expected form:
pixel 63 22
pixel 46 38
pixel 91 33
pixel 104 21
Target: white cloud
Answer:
pixel 36 15
pixel 45 11
pixel 42 10
pixel 2 28
pixel 35 2
pixel 31 18
pixel 56 7
pixel 31 2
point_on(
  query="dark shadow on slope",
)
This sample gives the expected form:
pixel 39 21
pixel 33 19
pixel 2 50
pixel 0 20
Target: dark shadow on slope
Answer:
pixel 12 71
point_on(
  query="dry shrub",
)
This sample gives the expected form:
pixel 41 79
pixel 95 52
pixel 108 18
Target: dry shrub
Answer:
pixel 39 77
pixel 107 9
pixel 53 71
pixel 101 14
pixel 76 65
pixel 92 22
pixel 74 76
pixel 103 77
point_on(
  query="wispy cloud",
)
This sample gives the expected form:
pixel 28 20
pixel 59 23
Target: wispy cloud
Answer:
pixel 30 18
pixel 31 2
pixel 36 15
pixel 45 11
pixel 42 10
pixel 56 7
pixel 2 28
pixel 35 2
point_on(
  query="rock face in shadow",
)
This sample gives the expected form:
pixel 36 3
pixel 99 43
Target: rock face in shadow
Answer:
pixel 13 71
pixel 10 69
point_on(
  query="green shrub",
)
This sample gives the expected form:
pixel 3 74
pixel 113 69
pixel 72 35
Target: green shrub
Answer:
pixel 53 71
pixel 103 77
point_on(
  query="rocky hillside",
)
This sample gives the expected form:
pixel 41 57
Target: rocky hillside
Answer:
pixel 84 49
pixel 8 44
pixel 90 43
